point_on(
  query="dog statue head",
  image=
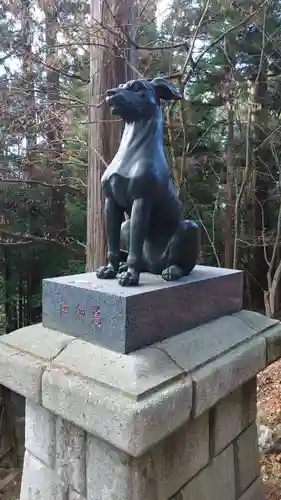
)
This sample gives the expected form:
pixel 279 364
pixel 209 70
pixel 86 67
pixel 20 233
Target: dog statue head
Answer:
pixel 140 99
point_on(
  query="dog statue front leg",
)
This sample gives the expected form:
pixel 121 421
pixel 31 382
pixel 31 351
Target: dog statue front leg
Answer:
pixel 139 221
pixel 113 221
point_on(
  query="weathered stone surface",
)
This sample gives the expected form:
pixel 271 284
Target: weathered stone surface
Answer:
pixel 129 425
pixel 21 372
pixel 247 458
pixel 227 420
pixel 215 482
pixel 108 472
pixel 273 343
pixel 40 438
pixel 194 348
pixel 39 482
pixel 71 454
pixel 249 397
pixel 221 377
pixel 179 457
pixel 73 495
pixel 156 475
pixel 38 341
pixel 135 374
pixel 254 492
pixel 257 321
pixel 124 320
pixel 232 414
pixel 112 474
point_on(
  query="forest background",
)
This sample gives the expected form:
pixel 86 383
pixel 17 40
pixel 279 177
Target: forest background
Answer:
pixel 223 141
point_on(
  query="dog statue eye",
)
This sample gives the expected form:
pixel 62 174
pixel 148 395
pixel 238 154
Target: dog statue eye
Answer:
pixel 137 87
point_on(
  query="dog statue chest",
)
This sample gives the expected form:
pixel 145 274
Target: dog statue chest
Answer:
pixel 117 187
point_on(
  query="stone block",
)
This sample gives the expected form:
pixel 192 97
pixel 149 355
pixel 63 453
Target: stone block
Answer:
pixel 273 343
pixel 158 474
pixel 112 474
pixel 71 454
pixel 108 472
pixel 247 458
pixel 136 374
pixel 254 492
pixel 21 372
pixel 73 495
pixel 181 456
pixel 221 377
pixel 39 482
pixel 194 348
pixel 127 424
pixel 249 402
pixel 126 319
pixel 233 414
pixel 215 482
pixel 257 321
pixel 37 341
pixel 40 438
pixel 227 421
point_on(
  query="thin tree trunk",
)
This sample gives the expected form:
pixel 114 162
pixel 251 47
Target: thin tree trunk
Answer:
pixel 108 68
pixel 229 213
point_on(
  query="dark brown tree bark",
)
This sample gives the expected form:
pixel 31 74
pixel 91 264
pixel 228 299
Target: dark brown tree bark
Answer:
pixel 28 87
pixel 54 122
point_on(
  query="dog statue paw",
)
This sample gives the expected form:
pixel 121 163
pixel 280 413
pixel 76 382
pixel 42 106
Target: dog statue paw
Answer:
pixel 122 268
pixel 129 278
pixel 172 273
pixel 106 272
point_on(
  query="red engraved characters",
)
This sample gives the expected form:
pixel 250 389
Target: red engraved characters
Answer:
pixel 80 311
pixel 63 308
pixel 96 319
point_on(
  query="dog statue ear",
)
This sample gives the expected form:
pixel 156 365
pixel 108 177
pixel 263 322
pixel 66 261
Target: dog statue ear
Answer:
pixel 166 90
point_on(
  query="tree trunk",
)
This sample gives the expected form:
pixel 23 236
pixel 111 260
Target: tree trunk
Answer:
pixel 109 66
pixel 54 122
pixel 260 190
pixel 28 86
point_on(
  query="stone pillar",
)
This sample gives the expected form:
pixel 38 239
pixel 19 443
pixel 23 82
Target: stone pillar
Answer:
pixel 175 421
pixel 171 421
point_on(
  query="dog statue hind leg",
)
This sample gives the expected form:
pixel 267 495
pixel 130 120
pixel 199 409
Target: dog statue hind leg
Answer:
pixel 183 251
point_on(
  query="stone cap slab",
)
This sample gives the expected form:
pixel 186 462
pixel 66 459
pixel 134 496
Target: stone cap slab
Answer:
pixel 134 375
pixel 135 400
pixel 201 345
pixel 38 341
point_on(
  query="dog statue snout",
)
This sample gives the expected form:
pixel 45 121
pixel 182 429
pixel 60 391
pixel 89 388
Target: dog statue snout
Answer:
pixel 111 92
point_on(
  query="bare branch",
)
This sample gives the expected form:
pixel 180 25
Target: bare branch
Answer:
pixel 64 187
pixel 6 235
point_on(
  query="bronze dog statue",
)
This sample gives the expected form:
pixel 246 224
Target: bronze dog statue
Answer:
pixel 138 183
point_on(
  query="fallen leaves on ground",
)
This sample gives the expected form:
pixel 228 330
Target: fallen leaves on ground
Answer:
pixel 269 413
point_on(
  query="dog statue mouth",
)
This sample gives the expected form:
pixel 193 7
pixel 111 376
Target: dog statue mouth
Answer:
pixel 115 104
pixel 109 100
